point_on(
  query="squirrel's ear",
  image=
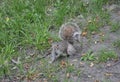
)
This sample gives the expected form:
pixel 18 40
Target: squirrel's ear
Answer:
pixel 76 34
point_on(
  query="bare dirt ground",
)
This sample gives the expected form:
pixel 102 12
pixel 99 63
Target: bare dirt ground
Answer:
pixel 98 72
pixel 101 72
pixel 89 73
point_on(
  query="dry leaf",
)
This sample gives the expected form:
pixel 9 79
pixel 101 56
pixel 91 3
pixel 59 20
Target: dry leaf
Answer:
pixel 97 18
pixel 50 75
pixel 68 75
pixel 93 33
pixel 84 33
pixel 81 63
pixel 108 64
pixel 14 68
pixel 91 64
pixel 26 66
pixel 89 21
pixel 96 81
pixel 35 75
pixel 74 60
pixel 45 80
pixel 101 40
pixel 108 74
pixel 71 64
pixel 50 40
pixel 7 19
pixel 89 76
pixel 83 54
pixel 85 29
pixel 16 62
pixel 101 34
pixel 32 76
pixel 63 64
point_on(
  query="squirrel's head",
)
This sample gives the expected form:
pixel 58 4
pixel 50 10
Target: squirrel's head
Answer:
pixel 76 36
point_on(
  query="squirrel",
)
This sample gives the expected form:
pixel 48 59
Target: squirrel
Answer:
pixel 70 32
pixel 62 48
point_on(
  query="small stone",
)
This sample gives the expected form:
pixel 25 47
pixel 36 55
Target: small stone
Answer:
pixel 75 60
pixel 91 64
pixel 93 33
pixel 89 76
pixel 68 75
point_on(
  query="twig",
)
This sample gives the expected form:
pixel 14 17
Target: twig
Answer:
pixel 114 64
pixel 6 75
pixel 46 54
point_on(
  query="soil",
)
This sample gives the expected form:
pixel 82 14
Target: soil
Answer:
pixel 101 72
pixel 98 72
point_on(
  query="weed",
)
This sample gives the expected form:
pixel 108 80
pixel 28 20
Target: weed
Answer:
pixel 5 57
pixel 106 55
pixel 107 80
pixel 78 72
pixel 115 27
pixel 70 68
pixel 117 43
pixel 92 26
pixel 66 80
pixel 88 57
pixel 99 17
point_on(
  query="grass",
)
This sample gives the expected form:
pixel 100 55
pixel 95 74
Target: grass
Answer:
pixel 98 16
pixel 25 24
pixel 117 43
pixel 115 27
pixel 106 55
pixel 88 56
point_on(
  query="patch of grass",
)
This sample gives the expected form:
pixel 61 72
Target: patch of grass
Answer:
pixel 92 25
pixel 117 43
pixel 6 54
pixel 106 55
pixel 88 56
pixel 26 23
pixel 98 16
pixel 70 68
pixel 106 80
pixel 115 27
pixel 78 72
pixel 30 74
pixel 49 71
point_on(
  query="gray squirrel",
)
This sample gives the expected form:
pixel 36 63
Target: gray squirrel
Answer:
pixel 61 48
pixel 70 32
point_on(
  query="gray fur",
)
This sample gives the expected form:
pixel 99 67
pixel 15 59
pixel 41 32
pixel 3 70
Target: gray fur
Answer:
pixel 60 49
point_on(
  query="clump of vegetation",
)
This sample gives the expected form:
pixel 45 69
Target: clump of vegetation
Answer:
pixel 115 27
pixel 88 56
pixel 117 43
pixel 99 17
pixel 106 55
